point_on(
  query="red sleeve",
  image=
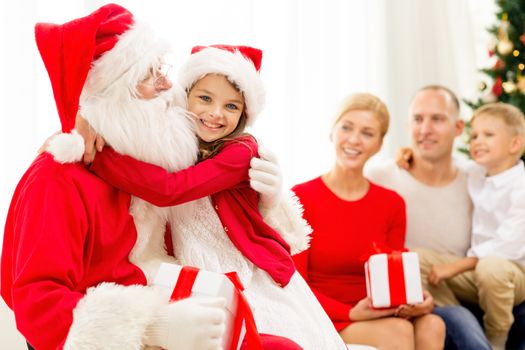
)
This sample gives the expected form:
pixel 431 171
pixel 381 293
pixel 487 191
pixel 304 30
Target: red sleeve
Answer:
pixel 397 228
pixel 49 222
pixel 156 185
pixel 336 310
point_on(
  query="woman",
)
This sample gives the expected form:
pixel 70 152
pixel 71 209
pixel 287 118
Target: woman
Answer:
pixel 354 214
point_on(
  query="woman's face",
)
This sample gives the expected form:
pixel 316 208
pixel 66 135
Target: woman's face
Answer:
pixel 356 137
pixel 217 107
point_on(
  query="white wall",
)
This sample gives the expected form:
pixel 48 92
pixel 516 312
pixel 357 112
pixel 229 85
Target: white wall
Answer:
pixel 10 338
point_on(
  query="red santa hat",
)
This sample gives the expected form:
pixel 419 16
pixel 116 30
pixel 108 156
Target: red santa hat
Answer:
pixel 240 64
pixel 89 54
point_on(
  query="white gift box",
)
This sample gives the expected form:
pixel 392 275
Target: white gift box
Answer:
pixel 207 284
pixel 393 279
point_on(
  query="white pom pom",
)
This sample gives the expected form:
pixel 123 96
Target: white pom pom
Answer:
pixel 66 148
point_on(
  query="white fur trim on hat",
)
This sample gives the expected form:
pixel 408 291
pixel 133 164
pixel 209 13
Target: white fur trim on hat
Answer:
pixel 66 147
pixel 136 51
pixel 237 68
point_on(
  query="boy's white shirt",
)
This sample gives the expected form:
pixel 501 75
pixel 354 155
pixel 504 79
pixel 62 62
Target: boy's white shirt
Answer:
pixel 498 222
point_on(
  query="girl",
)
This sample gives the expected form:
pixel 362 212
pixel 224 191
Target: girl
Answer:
pixel 225 94
pixel 355 213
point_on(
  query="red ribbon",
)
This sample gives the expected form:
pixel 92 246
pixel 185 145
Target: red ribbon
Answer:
pixel 396 278
pixel 244 313
pixel 182 289
pixel 396 272
pixel 379 249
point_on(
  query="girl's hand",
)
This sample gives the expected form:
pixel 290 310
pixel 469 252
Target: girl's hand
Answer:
pixel 441 272
pixel 404 158
pixel 411 311
pixel 362 311
pixel 92 141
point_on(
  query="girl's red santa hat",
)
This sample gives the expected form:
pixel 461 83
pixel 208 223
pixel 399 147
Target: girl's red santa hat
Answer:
pixel 240 64
pixel 96 55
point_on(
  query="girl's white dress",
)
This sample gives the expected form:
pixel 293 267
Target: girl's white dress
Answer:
pixel 292 312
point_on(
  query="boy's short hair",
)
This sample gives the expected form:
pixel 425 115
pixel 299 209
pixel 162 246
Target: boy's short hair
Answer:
pixel 435 87
pixel 512 116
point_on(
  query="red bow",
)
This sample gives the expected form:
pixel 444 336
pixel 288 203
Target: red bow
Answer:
pixel 396 274
pixel 383 249
pixel 244 313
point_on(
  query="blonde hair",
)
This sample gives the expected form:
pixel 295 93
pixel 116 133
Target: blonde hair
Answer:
pixel 365 102
pixel 512 116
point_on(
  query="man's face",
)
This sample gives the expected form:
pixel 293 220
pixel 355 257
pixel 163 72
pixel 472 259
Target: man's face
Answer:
pixel 434 124
pixel 155 82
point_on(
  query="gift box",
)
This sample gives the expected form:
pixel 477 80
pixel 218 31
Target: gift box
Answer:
pixel 189 281
pixel 393 279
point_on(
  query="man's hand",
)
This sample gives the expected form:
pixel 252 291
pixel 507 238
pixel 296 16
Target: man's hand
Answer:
pixel 265 178
pixel 404 158
pixel 92 141
pixel 411 311
pixel 362 311
pixel 189 324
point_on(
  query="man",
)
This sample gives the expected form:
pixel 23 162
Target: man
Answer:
pixel 439 211
pixel 79 255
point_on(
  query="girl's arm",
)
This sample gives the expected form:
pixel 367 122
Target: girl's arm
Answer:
pixel 156 185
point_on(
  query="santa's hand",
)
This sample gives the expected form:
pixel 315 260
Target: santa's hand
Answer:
pixel 189 324
pixel 93 142
pixel 265 178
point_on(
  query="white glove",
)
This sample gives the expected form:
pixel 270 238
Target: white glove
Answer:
pixel 188 324
pixel 265 178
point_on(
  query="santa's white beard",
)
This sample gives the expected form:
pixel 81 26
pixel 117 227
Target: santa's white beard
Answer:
pixel 149 130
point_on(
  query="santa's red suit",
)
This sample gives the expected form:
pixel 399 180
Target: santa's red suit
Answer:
pixel 80 233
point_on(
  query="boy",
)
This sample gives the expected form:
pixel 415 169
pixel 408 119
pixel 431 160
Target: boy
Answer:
pixel 493 273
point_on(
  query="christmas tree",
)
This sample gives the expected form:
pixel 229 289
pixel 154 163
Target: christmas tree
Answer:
pixel 506 76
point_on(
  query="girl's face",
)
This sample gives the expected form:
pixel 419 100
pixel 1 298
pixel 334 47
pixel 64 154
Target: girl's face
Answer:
pixel 217 107
pixel 356 137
